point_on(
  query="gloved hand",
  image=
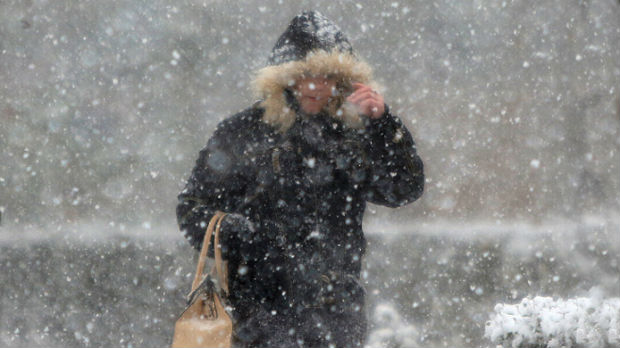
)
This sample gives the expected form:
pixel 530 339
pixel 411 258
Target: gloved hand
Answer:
pixel 234 228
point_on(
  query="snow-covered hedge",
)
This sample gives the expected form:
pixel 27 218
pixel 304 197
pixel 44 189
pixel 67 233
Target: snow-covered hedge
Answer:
pixel 590 322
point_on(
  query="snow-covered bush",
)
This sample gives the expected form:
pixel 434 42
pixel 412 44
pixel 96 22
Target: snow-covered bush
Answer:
pixel 391 330
pixel 544 322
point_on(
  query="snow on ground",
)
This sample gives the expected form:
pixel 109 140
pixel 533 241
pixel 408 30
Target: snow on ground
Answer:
pixel 391 329
pixel 428 284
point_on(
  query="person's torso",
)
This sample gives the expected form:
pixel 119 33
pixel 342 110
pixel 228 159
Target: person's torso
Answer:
pixel 309 181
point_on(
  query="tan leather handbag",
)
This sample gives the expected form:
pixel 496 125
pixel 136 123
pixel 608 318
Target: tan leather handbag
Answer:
pixel 205 323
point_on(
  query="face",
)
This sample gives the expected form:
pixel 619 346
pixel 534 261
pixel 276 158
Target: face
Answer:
pixel 313 93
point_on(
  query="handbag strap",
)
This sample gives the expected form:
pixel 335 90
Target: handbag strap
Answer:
pixel 215 220
pixel 221 274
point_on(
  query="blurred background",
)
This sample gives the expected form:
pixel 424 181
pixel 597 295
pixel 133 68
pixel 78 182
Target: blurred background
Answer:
pixel 104 105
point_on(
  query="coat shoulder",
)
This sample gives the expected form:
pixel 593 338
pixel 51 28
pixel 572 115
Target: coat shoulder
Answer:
pixel 243 133
pixel 244 123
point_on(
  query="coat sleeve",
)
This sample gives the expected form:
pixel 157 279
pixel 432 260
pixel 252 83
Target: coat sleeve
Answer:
pixel 396 172
pixel 217 182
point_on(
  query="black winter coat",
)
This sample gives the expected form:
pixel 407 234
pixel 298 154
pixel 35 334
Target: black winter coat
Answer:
pixel 296 200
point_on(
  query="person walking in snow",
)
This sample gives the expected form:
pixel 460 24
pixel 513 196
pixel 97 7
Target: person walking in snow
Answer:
pixel 293 172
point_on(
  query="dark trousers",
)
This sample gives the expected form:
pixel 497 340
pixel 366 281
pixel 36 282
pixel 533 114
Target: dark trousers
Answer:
pixel 315 312
pixel 312 327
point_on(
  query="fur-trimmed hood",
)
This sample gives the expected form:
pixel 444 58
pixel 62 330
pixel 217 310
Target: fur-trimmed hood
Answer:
pixel 312 45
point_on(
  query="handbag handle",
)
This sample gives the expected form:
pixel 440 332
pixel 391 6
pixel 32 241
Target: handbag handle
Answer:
pixel 221 276
pixel 215 221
